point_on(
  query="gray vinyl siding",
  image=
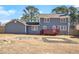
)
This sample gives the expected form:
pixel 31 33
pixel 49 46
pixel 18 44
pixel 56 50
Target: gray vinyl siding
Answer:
pixel 18 27
pixel 30 31
pixel 15 28
pixel 56 22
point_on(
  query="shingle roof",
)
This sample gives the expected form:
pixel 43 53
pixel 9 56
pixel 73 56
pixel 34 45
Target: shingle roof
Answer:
pixel 24 23
pixel 52 16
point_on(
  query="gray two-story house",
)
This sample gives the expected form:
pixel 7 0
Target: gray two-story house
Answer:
pixel 44 21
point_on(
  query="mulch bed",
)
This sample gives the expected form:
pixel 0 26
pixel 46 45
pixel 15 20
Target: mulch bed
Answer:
pixel 75 36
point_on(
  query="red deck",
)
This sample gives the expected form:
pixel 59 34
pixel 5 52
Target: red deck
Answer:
pixel 49 31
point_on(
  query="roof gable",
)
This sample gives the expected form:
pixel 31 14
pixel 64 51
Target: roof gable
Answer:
pixel 14 21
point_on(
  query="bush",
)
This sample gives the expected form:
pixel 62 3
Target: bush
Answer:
pixel 75 32
pixel 50 31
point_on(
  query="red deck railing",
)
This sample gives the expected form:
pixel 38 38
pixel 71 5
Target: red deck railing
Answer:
pixel 50 31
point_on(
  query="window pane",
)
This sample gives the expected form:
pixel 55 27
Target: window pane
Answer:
pixel 63 28
pixel 53 27
pixel 34 28
pixel 63 20
pixel 46 20
pixel 44 27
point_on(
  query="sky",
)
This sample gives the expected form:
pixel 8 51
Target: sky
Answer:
pixel 9 12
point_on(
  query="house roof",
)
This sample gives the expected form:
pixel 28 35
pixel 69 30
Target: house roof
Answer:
pixel 22 22
pixel 42 16
pixel 52 16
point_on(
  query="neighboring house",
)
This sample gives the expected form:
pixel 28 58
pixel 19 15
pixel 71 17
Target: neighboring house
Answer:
pixel 44 21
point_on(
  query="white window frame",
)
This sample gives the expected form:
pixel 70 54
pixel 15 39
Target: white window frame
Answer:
pixel 34 28
pixel 54 27
pixel 63 20
pixel 44 27
pixel 58 26
pixel 46 20
pixel 63 28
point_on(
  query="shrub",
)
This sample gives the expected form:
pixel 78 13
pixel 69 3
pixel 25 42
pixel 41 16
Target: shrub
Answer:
pixel 49 31
pixel 75 32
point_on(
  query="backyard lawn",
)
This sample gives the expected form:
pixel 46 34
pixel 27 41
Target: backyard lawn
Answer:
pixel 33 44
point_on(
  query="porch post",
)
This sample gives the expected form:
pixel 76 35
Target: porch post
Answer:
pixel 25 28
pixel 68 25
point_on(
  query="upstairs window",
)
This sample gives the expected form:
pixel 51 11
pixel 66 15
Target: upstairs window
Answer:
pixel 66 19
pixel 63 20
pixel 41 18
pixel 46 20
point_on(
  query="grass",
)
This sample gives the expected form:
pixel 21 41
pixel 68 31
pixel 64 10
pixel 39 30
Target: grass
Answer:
pixel 18 43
